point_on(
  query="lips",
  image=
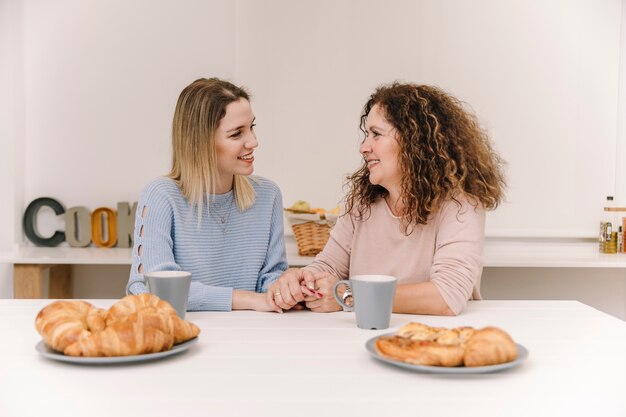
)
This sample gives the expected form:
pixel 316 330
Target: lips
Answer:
pixel 372 162
pixel 247 157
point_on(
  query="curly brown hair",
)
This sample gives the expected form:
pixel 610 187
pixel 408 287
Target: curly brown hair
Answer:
pixel 444 154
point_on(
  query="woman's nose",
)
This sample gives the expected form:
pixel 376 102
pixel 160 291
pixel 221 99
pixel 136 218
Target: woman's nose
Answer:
pixel 251 142
pixel 365 146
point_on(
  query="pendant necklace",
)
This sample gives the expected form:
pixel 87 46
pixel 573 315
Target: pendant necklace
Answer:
pixel 221 213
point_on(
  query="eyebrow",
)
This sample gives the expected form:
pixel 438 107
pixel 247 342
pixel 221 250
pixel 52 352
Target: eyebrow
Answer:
pixel 378 128
pixel 240 126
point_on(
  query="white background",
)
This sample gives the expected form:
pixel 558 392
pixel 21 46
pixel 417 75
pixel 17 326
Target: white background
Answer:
pixel 87 91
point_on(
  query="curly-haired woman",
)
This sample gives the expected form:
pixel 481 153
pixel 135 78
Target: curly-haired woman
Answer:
pixel 415 209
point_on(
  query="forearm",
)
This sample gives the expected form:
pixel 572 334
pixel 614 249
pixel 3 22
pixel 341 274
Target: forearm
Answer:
pixel 420 298
pixel 247 300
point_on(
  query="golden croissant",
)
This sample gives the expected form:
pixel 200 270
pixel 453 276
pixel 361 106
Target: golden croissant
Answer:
pixel 182 330
pixel 63 323
pixel 135 325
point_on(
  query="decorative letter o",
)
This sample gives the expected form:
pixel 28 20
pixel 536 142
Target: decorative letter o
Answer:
pixel 97 220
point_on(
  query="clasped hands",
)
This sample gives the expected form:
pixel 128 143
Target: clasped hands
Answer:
pixel 297 288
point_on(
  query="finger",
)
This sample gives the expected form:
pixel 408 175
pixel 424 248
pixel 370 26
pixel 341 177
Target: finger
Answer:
pixel 285 295
pixel 307 292
pixel 278 299
pixel 308 298
pixel 298 307
pixel 309 279
pixel 295 290
pixel 273 304
pixel 313 305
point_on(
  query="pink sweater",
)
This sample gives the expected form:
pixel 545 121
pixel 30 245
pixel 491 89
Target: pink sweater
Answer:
pixel 446 251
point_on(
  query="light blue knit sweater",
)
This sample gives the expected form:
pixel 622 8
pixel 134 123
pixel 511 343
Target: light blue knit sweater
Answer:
pixel 243 250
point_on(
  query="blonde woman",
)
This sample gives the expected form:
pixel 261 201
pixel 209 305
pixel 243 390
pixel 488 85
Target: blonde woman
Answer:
pixel 208 216
pixel 415 209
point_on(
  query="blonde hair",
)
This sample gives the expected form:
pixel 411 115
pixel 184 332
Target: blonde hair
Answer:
pixel 199 110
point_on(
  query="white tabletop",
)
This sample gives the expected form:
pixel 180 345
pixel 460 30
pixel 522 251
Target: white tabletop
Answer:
pixel 310 364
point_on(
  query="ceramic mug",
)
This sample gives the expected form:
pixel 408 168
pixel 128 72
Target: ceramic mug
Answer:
pixel 372 299
pixel 171 286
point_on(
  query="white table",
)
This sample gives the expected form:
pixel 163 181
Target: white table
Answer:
pixel 309 364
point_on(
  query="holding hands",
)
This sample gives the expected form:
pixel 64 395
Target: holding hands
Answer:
pixel 300 286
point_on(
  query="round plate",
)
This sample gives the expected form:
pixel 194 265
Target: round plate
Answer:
pixel 522 354
pixel 45 351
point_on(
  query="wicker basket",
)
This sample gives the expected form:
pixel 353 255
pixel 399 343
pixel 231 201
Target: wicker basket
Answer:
pixel 311 237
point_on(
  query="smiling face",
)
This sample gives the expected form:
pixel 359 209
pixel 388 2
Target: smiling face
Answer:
pixel 381 150
pixel 235 141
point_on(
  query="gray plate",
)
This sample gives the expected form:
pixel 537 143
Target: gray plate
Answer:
pixel 522 354
pixel 45 351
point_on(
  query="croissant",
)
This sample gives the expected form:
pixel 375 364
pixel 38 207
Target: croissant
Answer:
pixel 181 329
pixel 145 331
pixel 134 325
pixel 63 323
pixel 133 303
pixel 489 346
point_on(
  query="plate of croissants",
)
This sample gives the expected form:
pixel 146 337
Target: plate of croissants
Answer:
pixel 136 328
pixel 461 350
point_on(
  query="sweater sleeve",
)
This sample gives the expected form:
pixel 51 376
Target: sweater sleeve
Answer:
pixel 153 250
pixel 153 245
pixel 276 257
pixel 458 260
pixel 335 257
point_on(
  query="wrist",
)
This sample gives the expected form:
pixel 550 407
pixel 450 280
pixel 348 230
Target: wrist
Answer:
pixel 246 300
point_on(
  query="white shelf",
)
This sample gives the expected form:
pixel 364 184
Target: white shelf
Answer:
pixel 499 252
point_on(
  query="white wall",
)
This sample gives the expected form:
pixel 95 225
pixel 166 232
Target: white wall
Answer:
pixel 11 134
pixel 542 76
pixel 101 83
pixel 88 90
pixel 101 80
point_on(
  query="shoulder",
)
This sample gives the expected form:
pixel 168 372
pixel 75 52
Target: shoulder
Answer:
pixel 377 209
pixel 264 187
pixel 160 189
pixel 461 207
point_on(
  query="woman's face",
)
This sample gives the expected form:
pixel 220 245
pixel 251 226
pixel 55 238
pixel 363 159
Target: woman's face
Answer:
pixel 235 141
pixel 381 150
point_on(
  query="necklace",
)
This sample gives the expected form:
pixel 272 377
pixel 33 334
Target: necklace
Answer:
pixel 220 212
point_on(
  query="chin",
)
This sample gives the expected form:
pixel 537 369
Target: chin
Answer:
pixel 374 181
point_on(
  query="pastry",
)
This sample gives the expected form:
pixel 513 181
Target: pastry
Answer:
pixel 135 325
pixel 419 344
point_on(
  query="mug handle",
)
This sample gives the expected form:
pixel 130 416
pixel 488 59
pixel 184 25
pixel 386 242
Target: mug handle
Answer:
pixel 339 300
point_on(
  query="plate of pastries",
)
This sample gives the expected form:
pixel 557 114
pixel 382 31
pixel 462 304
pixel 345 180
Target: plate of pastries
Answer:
pixel 136 328
pixel 461 350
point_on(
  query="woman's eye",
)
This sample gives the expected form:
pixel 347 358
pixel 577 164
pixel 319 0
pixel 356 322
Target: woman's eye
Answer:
pixel 252 126
pixel 235 134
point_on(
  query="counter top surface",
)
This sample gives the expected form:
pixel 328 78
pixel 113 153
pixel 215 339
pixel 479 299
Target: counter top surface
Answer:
pixel 309 364
pixel 498 253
